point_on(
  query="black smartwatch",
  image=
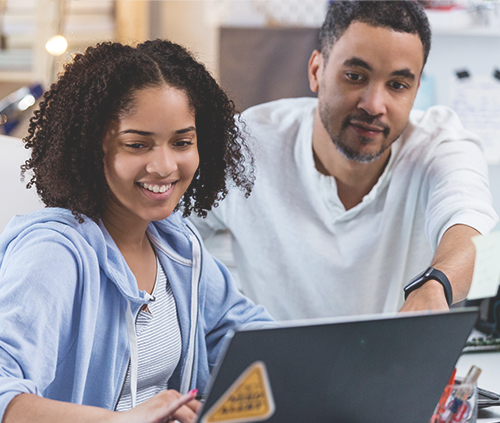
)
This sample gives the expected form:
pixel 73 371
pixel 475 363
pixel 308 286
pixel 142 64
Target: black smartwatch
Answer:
pixel 427 275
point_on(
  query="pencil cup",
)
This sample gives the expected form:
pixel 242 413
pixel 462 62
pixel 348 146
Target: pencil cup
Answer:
pixel 458 404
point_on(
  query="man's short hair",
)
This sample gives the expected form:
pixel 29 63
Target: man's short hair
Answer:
pixel 402 16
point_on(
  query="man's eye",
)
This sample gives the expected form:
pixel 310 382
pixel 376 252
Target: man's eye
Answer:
pixel 354 76
pixel 398 86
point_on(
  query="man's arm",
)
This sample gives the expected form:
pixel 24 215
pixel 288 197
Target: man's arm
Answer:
pixel 455 257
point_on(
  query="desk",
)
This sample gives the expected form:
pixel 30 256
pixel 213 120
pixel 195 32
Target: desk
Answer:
pixel 489 379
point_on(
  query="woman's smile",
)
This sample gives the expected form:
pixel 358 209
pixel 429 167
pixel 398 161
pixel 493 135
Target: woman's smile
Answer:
pixel 151 155
pixel 156 188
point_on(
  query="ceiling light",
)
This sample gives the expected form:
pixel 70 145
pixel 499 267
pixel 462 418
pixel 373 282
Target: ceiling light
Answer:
pixel 57 45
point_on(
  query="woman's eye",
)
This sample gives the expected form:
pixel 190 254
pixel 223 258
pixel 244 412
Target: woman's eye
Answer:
pixel 135 145
pixel 183 143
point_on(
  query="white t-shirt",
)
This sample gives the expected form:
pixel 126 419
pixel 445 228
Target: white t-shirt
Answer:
pixel 301 254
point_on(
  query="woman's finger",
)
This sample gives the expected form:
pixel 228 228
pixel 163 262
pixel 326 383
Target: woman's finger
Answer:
pixel 173 406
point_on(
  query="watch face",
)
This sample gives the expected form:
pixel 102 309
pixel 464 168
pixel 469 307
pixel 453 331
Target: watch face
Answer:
pixel 428 272
pixel 420 276
pixel 418 280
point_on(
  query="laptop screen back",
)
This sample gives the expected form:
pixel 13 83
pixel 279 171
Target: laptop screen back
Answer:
pixel 376 369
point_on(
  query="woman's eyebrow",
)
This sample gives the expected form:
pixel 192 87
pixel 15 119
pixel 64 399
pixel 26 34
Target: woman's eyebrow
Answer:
pixel 188 129
pixel 135 131
pixel 147 133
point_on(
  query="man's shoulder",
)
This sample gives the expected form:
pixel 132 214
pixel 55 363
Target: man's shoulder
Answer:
pixel 437 125
pixel 278 112
pixel 436 131
pixel 436 119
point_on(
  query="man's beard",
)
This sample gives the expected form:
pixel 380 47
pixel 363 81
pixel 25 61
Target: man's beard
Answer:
pixel 343 148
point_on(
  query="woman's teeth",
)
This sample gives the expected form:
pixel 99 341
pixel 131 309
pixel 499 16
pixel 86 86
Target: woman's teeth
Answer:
pixel 156 188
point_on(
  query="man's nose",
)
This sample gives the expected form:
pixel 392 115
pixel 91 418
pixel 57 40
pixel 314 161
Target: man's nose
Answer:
pixel 373 100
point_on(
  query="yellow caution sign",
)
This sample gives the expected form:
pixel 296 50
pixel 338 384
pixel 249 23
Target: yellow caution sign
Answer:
pixel 248 399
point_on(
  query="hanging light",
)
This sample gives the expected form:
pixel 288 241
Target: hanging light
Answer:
pixel 26 102
pixel 56 45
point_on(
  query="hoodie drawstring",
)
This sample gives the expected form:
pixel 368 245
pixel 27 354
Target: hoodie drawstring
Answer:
pixel 195 281
pixel 134 356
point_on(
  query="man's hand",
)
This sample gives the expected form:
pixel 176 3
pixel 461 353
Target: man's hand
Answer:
pixel 430 296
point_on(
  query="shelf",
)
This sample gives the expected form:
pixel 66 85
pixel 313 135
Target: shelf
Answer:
pixel 468 32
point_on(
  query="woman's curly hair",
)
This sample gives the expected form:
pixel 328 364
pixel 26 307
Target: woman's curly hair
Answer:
pixel 66 133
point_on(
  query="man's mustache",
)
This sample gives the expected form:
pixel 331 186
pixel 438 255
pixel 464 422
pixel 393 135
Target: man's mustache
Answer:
pixel 369 120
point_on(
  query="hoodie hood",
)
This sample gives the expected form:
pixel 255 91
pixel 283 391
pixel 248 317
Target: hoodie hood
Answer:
pixel 88 235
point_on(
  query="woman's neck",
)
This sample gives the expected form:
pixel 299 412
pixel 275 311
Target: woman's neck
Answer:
pixel 135 247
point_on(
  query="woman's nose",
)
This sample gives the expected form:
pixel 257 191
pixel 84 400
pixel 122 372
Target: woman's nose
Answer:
pixel 162 161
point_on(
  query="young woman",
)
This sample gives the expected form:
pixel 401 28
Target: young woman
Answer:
pixel 107 296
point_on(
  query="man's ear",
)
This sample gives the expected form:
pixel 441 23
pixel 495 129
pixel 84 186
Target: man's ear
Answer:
pixel 315 70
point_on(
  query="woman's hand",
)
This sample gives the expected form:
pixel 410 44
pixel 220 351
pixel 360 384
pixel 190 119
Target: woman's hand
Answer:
pixel 164 407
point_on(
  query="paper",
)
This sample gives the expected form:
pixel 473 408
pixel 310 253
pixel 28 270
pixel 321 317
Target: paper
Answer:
pixel 476 100
pixel 486 277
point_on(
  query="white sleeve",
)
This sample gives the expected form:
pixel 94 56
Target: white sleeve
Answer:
pixel 217 239
pixel 208 226
pixel 457 188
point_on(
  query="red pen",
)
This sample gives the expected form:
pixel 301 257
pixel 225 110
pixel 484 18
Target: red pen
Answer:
pixel 444 398
pixel 458 407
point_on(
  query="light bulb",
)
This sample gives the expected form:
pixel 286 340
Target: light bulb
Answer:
pixel 57 45
pixel 26 102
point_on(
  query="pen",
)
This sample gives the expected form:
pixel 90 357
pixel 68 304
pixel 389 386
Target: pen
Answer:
pixel 458 406
pixel 201 397
pixel 444 398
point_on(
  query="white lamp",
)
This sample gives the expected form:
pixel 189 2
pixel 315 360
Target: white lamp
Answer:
pixel 56 45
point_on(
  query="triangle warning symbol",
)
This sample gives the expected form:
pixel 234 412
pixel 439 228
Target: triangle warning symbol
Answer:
pixel 248 399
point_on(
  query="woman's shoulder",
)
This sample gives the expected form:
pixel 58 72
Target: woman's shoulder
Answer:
pixel 49 216
pixel 51 225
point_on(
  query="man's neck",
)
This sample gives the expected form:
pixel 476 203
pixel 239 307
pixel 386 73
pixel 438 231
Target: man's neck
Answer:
pixel 354 179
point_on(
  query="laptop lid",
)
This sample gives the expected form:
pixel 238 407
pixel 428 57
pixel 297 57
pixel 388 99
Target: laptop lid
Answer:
pixel 362 369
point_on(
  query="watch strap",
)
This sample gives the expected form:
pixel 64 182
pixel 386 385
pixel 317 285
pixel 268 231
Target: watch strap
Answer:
pixel 426 276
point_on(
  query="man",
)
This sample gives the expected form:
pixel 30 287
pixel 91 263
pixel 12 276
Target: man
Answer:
pixel 355 193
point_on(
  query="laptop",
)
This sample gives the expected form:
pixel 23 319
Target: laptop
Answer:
pixel 385 368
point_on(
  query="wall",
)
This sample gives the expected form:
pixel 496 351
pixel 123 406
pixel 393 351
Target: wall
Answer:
pixel 15 198
pixel 188 23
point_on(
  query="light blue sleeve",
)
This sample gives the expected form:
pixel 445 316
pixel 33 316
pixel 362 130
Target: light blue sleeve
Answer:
pixel 38 296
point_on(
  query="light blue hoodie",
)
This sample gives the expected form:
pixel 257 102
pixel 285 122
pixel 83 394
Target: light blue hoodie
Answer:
pixel 65 291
